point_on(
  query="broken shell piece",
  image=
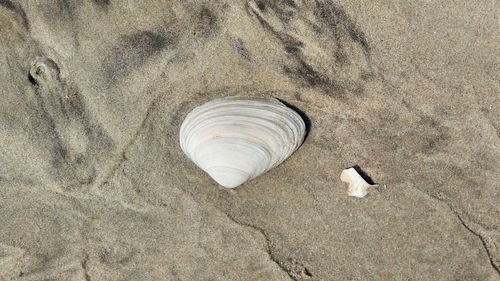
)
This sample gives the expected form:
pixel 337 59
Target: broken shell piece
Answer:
pixel 236 139
pixel 358 187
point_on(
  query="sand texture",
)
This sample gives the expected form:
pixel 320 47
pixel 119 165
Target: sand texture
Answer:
pixel 94 185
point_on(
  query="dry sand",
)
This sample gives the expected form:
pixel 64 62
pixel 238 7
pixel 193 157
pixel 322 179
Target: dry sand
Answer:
pixel 94 186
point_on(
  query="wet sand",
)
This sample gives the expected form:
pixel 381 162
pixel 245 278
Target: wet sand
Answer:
pixel 94 185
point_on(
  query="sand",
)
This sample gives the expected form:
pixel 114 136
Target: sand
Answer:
pixel 94 186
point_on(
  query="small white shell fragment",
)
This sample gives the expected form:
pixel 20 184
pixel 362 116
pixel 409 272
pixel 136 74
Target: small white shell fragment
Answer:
pixel 236 139
pixel 358 187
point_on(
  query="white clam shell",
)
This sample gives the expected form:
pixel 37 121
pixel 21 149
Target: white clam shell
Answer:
pixel 236 139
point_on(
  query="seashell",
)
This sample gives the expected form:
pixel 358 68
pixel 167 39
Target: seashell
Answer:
pixel 236 139
pixel 358 187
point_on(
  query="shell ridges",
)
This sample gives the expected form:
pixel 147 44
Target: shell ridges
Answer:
pixel 236 139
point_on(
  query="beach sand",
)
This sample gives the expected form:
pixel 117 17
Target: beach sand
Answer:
pixel 94 185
